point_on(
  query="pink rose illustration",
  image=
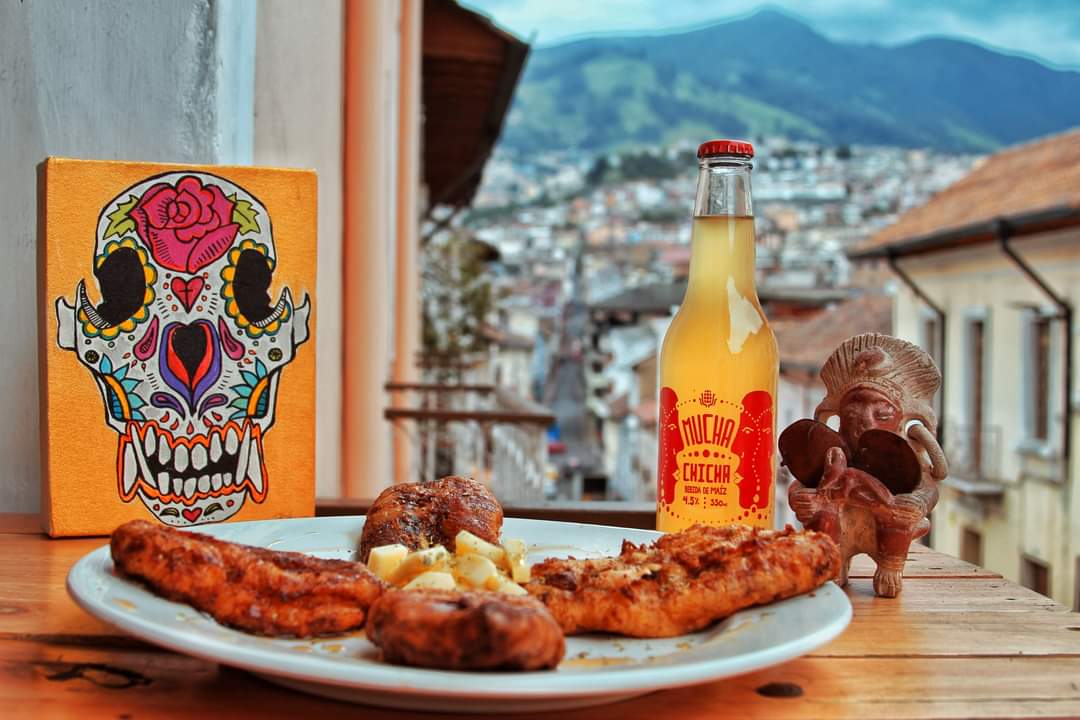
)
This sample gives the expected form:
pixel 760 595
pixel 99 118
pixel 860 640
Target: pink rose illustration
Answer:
pixel 186 227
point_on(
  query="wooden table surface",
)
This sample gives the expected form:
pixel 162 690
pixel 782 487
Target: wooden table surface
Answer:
pixel 958 642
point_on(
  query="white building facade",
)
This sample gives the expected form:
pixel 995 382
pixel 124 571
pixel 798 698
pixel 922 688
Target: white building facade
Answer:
pixel 992 299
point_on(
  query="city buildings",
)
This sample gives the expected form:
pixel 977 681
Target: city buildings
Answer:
pixel 572 230
pixel 989 273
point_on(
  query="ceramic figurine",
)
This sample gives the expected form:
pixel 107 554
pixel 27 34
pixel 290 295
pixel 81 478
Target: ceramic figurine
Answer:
pixel 870 486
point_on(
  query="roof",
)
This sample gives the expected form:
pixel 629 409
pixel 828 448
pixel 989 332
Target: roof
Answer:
pixel 470 70
pixel 631 344
pixel 646 413
pixel 656 298
pixel 619 407
pixel 807 344
pixel 1032 187
pixel 659 298
pixel 677 255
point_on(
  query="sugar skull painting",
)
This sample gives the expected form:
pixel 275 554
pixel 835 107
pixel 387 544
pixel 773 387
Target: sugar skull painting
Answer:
pixel 187 335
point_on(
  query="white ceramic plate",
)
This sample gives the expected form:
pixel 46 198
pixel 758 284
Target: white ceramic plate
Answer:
pixel 597 669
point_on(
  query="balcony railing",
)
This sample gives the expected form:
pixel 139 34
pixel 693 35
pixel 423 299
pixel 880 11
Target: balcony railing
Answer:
pixel 476 430
pixel 456 369
pixel 974 452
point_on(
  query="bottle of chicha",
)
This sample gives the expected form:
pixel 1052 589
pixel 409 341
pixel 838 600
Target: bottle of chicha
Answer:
pixel 718 364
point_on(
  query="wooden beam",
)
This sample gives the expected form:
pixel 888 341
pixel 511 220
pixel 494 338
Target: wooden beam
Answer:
pixel 371 64
pixel 406 308
pixel 481 416
pixel 436 388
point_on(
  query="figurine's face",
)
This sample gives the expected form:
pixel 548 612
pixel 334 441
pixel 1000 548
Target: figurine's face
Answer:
pixel 864 409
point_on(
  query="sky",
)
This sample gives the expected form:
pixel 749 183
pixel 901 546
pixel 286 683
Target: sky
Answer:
pixel 1048 30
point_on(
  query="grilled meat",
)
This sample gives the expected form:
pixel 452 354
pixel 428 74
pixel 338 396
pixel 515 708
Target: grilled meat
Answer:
pixel 465 630
pixel 418 515
pixel 684 581
pixel 253 589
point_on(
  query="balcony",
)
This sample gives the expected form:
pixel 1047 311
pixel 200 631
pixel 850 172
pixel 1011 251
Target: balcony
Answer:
pixel 478 430
pixel 974 460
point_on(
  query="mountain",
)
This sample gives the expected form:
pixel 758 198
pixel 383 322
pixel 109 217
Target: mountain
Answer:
pixel 770 74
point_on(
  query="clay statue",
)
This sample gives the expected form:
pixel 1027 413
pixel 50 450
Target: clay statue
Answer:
pixel 870 486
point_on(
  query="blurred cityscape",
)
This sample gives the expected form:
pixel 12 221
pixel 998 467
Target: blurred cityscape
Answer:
pixel 548 283
pixel 588 259
pixel 632 213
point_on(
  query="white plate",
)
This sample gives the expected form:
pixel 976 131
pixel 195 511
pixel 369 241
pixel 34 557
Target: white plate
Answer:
pixel 597 669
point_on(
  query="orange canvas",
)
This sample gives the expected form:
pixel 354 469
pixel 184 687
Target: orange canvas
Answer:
pixel 177 343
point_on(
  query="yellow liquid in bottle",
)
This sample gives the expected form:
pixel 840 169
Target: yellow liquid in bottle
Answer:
pixel 718 375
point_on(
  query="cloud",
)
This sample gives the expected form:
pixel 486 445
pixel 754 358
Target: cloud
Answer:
pixel 1048 29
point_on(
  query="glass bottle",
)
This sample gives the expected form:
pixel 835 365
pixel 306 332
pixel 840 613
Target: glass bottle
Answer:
pixel 719 365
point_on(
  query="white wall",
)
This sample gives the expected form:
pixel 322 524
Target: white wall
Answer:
pixel 298 123
pixel 166 80
pixel 1039 514
pixel 982 281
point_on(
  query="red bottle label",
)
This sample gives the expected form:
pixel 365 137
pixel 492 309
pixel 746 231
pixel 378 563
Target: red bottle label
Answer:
pixel 716 460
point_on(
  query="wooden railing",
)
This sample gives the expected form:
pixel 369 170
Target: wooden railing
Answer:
pixel 454 369
pixel 476 430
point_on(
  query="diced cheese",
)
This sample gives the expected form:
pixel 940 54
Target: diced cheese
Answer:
pixel 420 561
pixel 432 581
pixel 477 571
pixel 517 562
pixel 477 565
pixel 508 586
pixel 466 543
pixel 385 559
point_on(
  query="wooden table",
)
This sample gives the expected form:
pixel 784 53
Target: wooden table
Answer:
pixel 959 642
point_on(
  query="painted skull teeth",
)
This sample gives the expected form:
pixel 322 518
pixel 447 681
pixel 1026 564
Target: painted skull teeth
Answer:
pixel 178 329
pixel 169 469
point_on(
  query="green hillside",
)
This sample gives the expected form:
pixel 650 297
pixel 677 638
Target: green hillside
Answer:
pixel 770 74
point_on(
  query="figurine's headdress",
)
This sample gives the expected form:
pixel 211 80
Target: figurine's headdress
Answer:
pixel 901 371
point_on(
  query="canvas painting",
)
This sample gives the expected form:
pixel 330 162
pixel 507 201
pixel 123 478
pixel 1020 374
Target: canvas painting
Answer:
pixel 178 354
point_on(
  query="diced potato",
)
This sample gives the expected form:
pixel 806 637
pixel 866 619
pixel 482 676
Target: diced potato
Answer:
pixel 466 543
pixel 434 580
pixel 385 559
pixel 477 571
pixel 508 586
pixel 517 562
pixel 420 561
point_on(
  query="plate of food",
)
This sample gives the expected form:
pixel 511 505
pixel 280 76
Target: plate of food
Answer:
pixel 434 602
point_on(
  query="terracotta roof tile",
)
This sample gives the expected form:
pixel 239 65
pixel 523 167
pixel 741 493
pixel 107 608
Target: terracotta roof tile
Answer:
pixel 620 406
pixel 807 344
pixel 646 412
pixel 1024 179
pixel 660 298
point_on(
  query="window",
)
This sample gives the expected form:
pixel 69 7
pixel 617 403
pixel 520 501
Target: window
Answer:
pixel 971 546
pixel 594 487
pixel 1035 574
pixel 1038 378
pixel 931 337
pixel 1076 586
pixel 976 352
pixel 931 343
